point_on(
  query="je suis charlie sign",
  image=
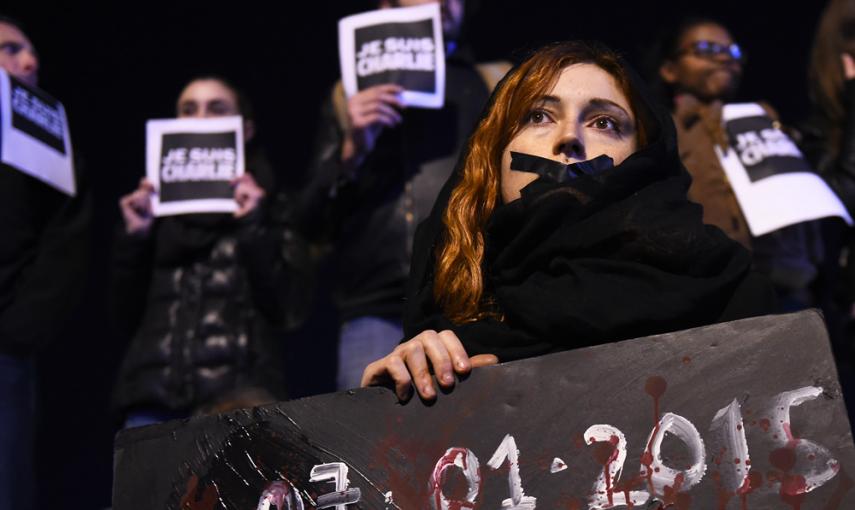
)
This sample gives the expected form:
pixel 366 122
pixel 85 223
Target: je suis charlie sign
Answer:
pixel 403 46
pixel 773 183
pixel 34 136
pixel 192 162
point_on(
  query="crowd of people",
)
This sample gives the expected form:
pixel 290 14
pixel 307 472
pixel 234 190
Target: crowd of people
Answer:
pixel 452 247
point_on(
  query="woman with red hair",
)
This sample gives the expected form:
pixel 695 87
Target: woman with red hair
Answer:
pixel 566 224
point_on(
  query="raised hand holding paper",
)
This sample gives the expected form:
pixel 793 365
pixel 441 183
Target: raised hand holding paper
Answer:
pixel 34 136
pixel 772 181
pixel 192 162
pixel 402 46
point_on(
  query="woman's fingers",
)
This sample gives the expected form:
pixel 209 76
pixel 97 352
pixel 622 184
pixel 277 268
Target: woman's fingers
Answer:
pixel 411 362
pixel 414 357
pixel 459 358
pixel 848 66
pixel 483 360
pixel 247 194
pixel 440 358
pixel 400 377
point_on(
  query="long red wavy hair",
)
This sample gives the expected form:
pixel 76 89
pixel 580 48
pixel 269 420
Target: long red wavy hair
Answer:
pixel 459 282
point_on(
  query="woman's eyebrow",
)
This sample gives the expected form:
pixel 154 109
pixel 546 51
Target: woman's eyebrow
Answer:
pixel 548 99
pixel 607 104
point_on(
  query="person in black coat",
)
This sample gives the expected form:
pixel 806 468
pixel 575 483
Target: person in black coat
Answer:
pixel 566 224
pixel 376 171
pixel 828 142
pixel 204 297
pixel 44 258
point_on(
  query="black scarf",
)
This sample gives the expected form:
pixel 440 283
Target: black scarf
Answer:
pixel 605 256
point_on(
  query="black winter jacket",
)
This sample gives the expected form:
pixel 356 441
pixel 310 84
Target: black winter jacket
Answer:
pixel 205 299
pixel 44 256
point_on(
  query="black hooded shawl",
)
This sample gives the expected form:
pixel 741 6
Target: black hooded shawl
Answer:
pixel 602 257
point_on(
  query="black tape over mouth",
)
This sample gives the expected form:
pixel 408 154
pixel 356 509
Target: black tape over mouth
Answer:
pixel 559 172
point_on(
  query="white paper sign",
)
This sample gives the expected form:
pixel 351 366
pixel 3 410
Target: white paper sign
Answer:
pixel 402 46
pixel 772 181
pixel 34 136
pixel 191 163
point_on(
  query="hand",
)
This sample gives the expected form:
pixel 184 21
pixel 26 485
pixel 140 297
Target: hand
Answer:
pixel 248 194
pixel 368 112
pixel 136 209
pixel 408 364
pixel 848 66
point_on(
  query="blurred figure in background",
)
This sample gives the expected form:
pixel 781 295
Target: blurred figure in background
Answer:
pixel 829 143
pixel 700 66
pixel 43 267
pixel 204 297
pixel 377 171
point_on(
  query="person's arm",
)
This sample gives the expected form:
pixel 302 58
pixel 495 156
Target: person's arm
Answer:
pixel 273 254
pixel 411 363
pixel 51 285
pixel 130 277
pixel 132 259
pixel 347 133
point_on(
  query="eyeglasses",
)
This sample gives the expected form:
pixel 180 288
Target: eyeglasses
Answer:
pixel 711 50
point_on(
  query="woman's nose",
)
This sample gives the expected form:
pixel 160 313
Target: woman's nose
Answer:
pixel 28 62
pixel 570 145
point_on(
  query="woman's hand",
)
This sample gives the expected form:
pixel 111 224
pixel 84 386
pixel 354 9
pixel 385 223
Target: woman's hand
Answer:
pixel 248 194
pixel 136 209
pixel 409 364
pixel 368 112
pixel 848 66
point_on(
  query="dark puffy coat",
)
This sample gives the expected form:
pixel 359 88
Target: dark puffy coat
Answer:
pixel 205 300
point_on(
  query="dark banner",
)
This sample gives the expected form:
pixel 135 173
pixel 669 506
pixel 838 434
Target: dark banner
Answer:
pixel 197 166
pixel 742 415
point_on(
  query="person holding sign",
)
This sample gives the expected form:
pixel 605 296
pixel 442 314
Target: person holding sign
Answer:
pixel 376 173
pixel 700 65
pixel 43 266
pixel 202 295
pixel 566 224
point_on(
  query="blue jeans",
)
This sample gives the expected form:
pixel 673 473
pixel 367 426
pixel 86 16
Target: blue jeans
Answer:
pixel 145 418
pixel 17 423
pixel 362 341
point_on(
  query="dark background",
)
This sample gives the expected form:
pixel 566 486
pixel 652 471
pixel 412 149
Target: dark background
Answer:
pixel 115 67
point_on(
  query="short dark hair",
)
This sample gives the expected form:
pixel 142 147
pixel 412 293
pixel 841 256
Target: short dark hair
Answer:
pixel 9 20
pixel 669 42
pixel 665 47
pixel 243 103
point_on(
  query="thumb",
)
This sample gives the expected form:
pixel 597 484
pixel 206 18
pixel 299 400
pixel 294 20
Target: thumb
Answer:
pixel 483 360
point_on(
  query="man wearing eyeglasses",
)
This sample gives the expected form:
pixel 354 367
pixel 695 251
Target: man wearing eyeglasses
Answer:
pixel 701 67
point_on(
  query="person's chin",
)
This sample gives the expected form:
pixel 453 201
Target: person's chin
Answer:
pixel 722 85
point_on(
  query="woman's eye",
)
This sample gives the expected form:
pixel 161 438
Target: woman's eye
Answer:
pixel 11 48
pixel 606 123
pixel 187 109
pixel 538 117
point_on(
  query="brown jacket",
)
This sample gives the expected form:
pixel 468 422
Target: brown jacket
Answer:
pixel 699 130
